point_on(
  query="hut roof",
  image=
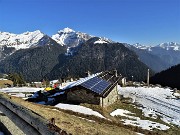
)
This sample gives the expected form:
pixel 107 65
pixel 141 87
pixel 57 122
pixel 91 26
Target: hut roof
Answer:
pixel 101 83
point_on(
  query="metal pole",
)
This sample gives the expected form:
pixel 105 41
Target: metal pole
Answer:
pixel 148 78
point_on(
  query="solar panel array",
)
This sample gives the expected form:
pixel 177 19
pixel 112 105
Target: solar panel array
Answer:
pixel 96 84
pixel 79 82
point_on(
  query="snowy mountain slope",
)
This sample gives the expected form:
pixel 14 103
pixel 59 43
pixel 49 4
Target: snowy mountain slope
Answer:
pixel 70 38
pixel 6 51
pixel 10 43
pixel 20 41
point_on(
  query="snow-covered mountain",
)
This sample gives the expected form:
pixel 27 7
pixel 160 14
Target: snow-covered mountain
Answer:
pixel 163 46
pixel 70 37
pixel 170 46
pixel 163 55
pixel 169 53
pixel 20 41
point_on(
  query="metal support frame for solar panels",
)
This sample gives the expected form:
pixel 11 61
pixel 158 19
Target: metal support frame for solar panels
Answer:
pixel 111 86
pixel 111 77
pixel 104 80
pixel 104 75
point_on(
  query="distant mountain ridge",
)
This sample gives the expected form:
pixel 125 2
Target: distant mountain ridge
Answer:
pixel 95 55
pixel 20 41
pixel 158 57
pixel 165 46
pixel 10 43
pixel 22 50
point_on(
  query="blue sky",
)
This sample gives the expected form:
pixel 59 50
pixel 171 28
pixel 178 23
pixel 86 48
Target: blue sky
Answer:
pixel 149 22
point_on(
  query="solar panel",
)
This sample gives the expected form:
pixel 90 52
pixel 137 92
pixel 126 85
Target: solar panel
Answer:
pixel 91 82
pixel 96 84
pixel 100 87
pixel 79 82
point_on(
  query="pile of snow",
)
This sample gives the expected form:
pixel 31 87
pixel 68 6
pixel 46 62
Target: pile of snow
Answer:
pixel 155 101
pixel 136 121
pixel 79 109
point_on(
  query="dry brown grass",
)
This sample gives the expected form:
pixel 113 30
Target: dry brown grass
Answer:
pixel 75 123
pixel 81 124
pixel 2 82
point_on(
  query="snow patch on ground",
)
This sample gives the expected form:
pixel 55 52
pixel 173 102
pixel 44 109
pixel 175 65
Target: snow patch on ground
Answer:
pixel 20 89
pixel 136 121
pixel 149 113
pixel 79 109
pixel 145 124
pixel 121 112
pixel 155 101
pixel 139 134
pixel 177 94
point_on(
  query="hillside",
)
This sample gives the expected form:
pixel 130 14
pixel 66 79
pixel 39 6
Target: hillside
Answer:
pixel 95 57
pixel 6 51
pixel 53 62
pixel 140 110
pixel 169 77
pixel 33 63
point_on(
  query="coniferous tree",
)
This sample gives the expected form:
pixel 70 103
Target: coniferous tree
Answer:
pixel 17 79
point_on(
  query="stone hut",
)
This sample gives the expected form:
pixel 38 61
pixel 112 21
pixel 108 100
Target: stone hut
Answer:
pixel 100 89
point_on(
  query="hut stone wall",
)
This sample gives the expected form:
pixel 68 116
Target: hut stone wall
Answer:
pixel 110 99
pixel 83 96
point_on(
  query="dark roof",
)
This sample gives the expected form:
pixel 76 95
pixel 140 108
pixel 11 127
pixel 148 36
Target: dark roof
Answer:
pixel 100 83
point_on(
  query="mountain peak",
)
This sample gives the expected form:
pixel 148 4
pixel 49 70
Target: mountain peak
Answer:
pixel 66 30
pixel 70 38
